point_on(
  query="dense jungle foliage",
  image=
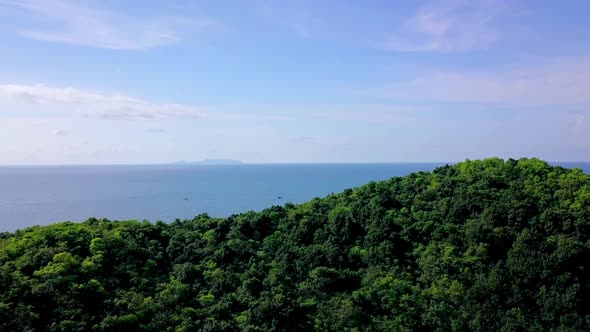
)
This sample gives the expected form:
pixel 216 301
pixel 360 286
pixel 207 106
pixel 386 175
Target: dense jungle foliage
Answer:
pixel 486 245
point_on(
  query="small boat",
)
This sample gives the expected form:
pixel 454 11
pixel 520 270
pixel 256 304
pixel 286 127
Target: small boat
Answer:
pixel 186 199
pixel 280 197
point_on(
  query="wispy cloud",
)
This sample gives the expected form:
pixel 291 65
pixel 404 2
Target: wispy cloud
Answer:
pixel 73 22
pixel 60 132
pixel 447 26
pixel 94 104
pixel 301 139
pixel 155 130
pixel 292 16
pixel 562 82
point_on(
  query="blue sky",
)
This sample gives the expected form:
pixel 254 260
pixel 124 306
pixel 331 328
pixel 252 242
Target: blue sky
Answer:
pixel 101 82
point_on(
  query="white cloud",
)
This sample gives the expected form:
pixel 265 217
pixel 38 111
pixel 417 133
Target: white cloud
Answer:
pixel 60 132
pixel 71 22
pixel 447 26
pixel 562 82
pixel 94 104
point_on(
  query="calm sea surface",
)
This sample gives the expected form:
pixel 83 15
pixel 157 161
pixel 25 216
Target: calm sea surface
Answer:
pixel 31 195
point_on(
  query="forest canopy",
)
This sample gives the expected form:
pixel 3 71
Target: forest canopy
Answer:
pixel 485 245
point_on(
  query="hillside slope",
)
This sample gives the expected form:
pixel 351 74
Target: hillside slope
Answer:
pixel 483 245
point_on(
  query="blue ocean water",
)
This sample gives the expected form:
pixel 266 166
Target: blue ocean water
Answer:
pixel 40 195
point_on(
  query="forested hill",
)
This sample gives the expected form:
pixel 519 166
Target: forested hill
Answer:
pixel 483 245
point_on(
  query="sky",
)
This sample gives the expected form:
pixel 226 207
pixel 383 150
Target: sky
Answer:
pixel 264 81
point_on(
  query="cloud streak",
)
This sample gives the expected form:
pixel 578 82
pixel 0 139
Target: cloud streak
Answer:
pixel 448 26
pixel 94 104
pixel 295 17
pixel 71 22
pixel 561 82
pixel 301 139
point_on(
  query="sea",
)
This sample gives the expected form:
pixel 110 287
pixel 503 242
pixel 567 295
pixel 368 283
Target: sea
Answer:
pixel 40 195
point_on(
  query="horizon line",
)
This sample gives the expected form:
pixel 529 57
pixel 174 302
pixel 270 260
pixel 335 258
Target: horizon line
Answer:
pixel 265 163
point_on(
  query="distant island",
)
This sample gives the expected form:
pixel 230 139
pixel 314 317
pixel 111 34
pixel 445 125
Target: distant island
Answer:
pixel 210 162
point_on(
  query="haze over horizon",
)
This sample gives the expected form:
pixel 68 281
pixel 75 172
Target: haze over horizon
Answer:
pixel 104 82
